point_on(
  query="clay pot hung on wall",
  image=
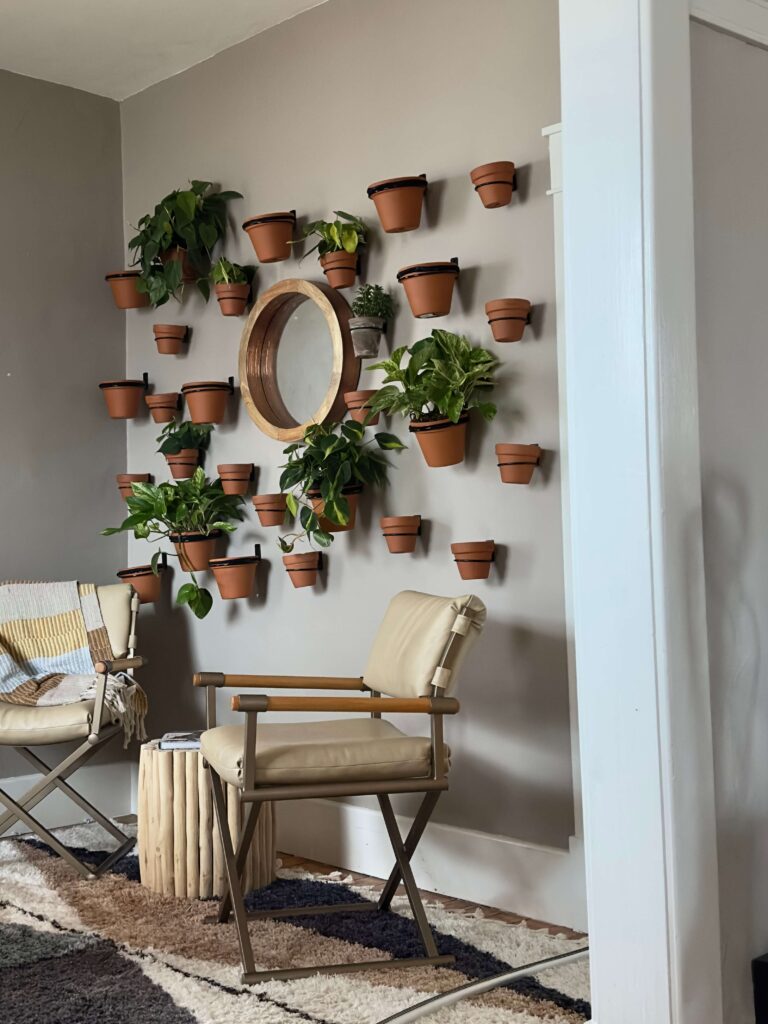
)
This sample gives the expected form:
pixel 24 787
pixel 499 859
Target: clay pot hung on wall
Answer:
pixel 163 407
pixel 473 558
pixel 303 569
pixel 184 464
pixel 146 584
pixel 340 268
pixel 195 550
pixel 442 442
pixel 352 493
pixel 170 338
pixel 123 397
pixel 429 287
pixel 508 317
pixel 357 403
pixel 366 334
pixel 188 270
pixel 517 462
pixel 207 399
pixel 400 533
pixel 232 298
pixel 495 183
pixel 235 476
pixel 398 202
pixel 270 508
pixel 235 577
pixel 125 481
pixel 124 291
pixel 271 235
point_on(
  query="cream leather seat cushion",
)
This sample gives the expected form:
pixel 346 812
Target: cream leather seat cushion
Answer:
pixel 21 725
pixel 325 751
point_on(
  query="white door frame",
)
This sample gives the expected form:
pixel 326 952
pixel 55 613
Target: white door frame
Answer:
pixel 635 497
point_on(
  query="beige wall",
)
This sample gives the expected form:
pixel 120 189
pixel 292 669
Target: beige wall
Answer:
pixel 730 86
pixel 306 115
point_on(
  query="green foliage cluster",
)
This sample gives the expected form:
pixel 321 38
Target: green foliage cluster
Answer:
pixel 175 437
pixel 372 300
pixel 346 233
pixel 224 272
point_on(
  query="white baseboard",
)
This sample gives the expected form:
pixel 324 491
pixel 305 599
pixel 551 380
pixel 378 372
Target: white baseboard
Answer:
pixel 535 881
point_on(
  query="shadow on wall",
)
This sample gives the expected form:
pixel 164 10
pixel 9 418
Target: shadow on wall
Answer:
pixel 163 628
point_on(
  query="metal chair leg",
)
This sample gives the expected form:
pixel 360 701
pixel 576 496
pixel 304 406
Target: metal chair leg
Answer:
pixel 244 845
pixel 35 826
pixel 411 842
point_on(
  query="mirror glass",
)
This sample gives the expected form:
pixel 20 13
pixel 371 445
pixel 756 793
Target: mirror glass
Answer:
pixel 304 361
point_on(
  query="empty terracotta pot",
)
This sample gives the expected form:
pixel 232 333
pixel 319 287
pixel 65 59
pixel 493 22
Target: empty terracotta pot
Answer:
pixel 232 298
pixel 146 584
pixel 366 334
pixel 494 183
pixel 429 287
pixel 188 270
pixel 271 234
pixel 183 465
pixel 235 476
pixel 508 318
pixel 270 508
pixel 474 558
pixel 516 462
pixel 195 550
pixel 442 442
pixel 357 404
pixel 124 290
pixel 400 533
pixel 235 576
pixel 398 202
pixel 169 338
pixel 340 268
pixel 122 397
pixel 124 481
pixel 352 494
pixel 207 400
pixel 302 569
pixel 163 407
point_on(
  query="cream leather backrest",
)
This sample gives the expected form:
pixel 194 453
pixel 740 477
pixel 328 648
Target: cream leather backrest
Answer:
pixel 407 653
pixel 115 604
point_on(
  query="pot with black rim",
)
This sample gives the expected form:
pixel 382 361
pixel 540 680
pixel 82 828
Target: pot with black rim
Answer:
pixel 352 493
pixel 232 298
pixel 235 476
pixel 235 576
pixel 358 406
pixel 125 482
pixel 123 397
pixel 184 463
pixel 271 235
pixel 494 183
pixel 270 508
pixel 429 287
pixel 398 202
pixel 163 407
pixel 473 558
pixel 195 550
pixel 303 569
pixel 340 268
pixel 207 399
pixel 517 462
pixel 442 442
pixel 124 291
pixel 508 317
pixel 146 583
pixel 169 338
pixel 400 533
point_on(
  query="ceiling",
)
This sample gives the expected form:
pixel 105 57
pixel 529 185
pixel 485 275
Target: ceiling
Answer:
pixel 117 48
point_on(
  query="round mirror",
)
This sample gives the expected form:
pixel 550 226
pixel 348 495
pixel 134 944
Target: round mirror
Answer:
pixel 296 358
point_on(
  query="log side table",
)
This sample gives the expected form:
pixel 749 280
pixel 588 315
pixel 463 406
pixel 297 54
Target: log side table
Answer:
pixel 180 851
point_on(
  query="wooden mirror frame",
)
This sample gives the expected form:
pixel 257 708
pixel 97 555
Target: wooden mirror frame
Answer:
pixel 258 356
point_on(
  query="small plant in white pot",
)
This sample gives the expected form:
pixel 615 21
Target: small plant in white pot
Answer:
pixel 371 309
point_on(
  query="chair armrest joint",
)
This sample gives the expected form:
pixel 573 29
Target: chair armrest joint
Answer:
pixel 105 667
pixel 250 702
pixel 208 679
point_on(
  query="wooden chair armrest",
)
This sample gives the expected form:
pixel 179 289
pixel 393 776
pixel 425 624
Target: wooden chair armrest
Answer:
pixel 280 682
pixel 366 705
pixel 119 665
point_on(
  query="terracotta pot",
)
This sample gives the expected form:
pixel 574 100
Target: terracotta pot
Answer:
pixel 188 270
pixel 235 476
pixel 516 462
pixel 442 442
pixel 352 494
pixel 357 404
pixel 124 291
pixel 169 338
pixel 400 533
pixel 271 234
pixel 302 569
pixel 429 287
pixel 340 268
pixel 146 584
pixel 233 298
pixel 124 481
pixel 183 465
pixel 235 576
pixel 474 558
pixel 398 202
pixel 366 334
pixel 195 550
pixel 163 407
pixel 270 508
pixel 494 183
pixel 508 318
pixel 207 400
pixel 122 397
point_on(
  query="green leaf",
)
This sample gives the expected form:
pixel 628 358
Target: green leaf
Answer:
pixel 186 592
pixel 285 544
pixel 322 538
pixel 292 505
pixel 389 442
pixel 154 562
pixel 201 603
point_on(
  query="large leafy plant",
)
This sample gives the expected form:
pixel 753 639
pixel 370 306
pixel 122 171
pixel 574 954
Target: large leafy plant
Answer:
pixel 176 437
pixel 197 505
pixel 445 375
pixel 347 233
pixel 329 458
pixel 372 300
pixel 192 220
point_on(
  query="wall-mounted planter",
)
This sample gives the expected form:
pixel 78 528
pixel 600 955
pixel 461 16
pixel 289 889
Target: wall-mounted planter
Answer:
pixel 352 493
pixel 303 569
pixel 271 234
pixel 124 290
pixel 146 584
pixel 494 183
pixel 429 287
pixel 508 318
pixel 232 298
pixel 235 476
pixel 207 399
pixel 340 268
pixel 195 550
pixel 357 403
pixel 123 397
pixel 517 461
pixel 474 558
pixel 163 407
pixel 235 576
pixel 270 508
pixel 366 334
pixel 169 338
pixel 442 442
pixel 188 270
pixel 400 533
pixel 398 202
pixel 183 465
pixel 125 480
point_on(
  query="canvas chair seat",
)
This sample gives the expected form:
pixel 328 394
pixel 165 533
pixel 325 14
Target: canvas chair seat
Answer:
pixel 22 725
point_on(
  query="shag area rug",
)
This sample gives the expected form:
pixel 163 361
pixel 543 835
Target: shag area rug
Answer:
pixel 111 952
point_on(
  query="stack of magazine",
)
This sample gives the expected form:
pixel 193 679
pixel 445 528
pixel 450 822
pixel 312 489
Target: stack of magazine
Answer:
pixel 181 740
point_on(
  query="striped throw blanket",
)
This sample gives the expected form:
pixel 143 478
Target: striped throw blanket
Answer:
pixel 51 636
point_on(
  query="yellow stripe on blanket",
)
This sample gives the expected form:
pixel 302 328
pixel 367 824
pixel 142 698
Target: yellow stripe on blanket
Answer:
pixel 47 637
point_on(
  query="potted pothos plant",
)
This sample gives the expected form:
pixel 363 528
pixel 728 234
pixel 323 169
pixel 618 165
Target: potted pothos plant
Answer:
pixel 193 514
pixel 182 445
pixel 372 307
pixel 174 243
pixel 444 378
pixel 232 285
pixel 337 245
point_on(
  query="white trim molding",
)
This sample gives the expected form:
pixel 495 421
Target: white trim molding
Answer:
pixel 747 19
